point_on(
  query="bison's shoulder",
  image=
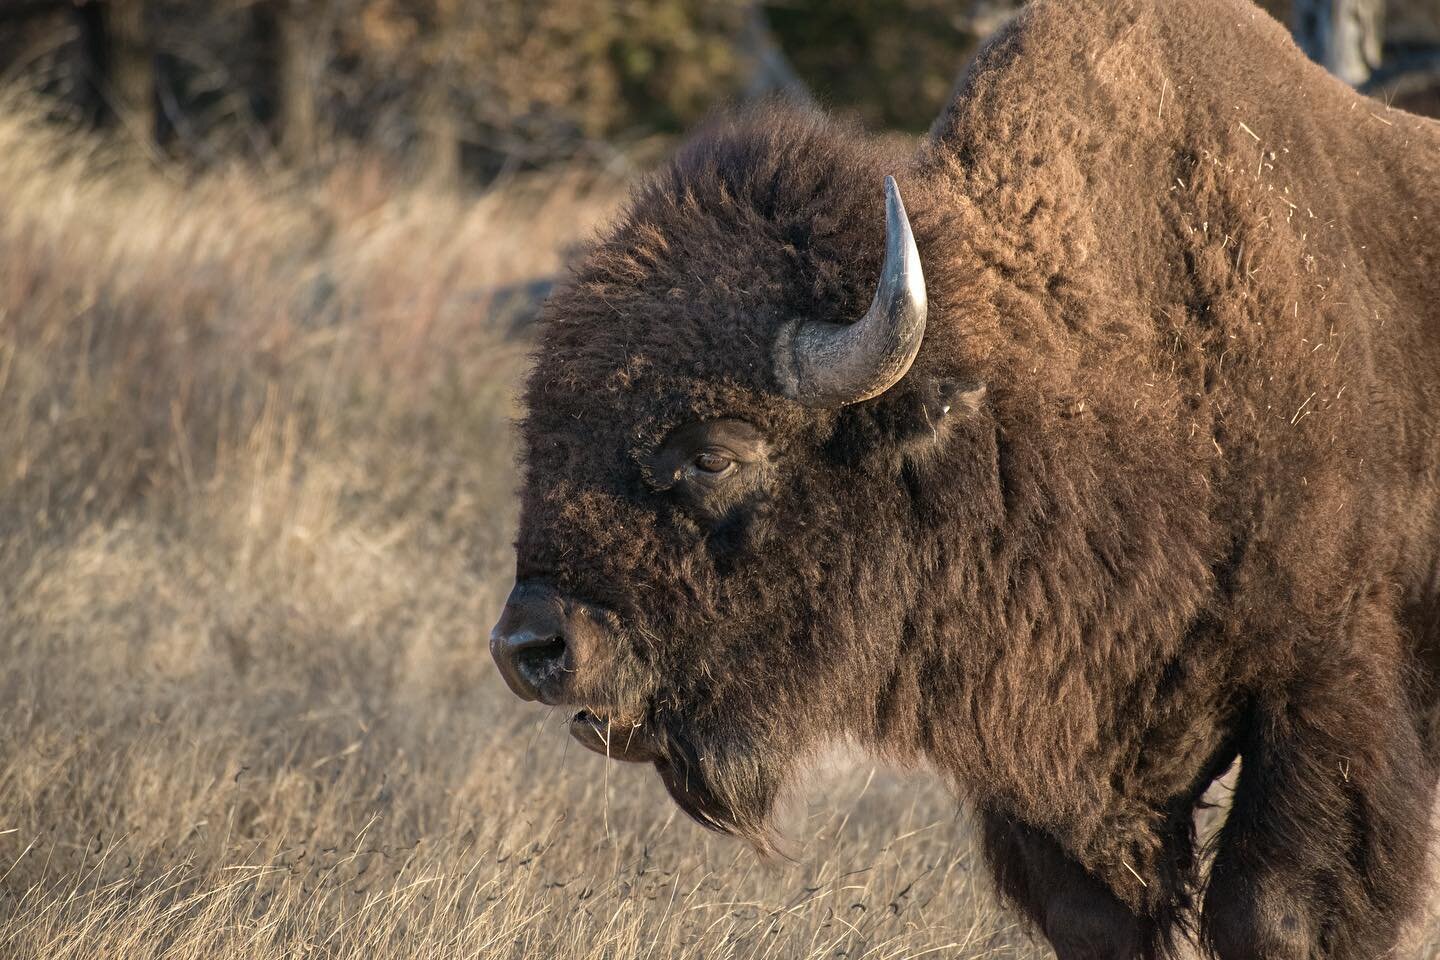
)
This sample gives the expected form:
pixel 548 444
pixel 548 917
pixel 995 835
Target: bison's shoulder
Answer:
pixel 1068 72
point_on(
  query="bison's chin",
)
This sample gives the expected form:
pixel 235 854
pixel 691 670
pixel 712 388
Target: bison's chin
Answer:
pixel 731 789
pixel 728 786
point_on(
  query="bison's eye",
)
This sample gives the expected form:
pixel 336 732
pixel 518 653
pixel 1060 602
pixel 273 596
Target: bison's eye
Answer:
pixel 712 464
pixel 709 463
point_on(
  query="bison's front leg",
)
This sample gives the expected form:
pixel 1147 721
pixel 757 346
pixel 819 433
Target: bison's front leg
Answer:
pixel 1323 853
pixel 1079 915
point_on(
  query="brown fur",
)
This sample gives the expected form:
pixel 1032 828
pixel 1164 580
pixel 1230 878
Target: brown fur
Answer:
pixel 1195 513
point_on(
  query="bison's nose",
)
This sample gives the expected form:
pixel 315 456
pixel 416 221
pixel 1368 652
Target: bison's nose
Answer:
pixel 529 643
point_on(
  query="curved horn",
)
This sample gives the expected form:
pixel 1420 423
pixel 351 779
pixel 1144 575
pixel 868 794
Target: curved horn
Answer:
pixel 830 365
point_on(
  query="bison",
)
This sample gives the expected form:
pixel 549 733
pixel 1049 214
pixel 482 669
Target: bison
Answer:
pixel 1107 456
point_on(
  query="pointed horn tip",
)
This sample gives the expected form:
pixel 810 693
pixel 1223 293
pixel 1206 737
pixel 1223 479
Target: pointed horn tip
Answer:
pixel 900 239
pixel 897 220
pixel 893 203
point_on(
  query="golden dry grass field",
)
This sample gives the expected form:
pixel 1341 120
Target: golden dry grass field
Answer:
pixel 255 512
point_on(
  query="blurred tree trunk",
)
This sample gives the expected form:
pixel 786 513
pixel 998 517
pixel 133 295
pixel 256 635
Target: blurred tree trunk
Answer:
pixel 439 126
pixel 984 17
pixel 1345 36
pixel 771 73
pixel 131 62
pixel 296 76
pixel 94 56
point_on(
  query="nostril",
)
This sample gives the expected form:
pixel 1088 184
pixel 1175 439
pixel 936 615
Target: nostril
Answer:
pixel 531 661
pixel 542 656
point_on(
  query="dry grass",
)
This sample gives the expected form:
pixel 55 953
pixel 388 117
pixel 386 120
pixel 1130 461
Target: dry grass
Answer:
pixel 255 511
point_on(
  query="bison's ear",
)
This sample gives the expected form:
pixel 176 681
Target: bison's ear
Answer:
pixel 927 417
pixel 947 397
pixel 910 424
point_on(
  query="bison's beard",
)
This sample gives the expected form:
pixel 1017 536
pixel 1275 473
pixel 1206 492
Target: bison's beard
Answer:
pixel 731 788
pixel 725 782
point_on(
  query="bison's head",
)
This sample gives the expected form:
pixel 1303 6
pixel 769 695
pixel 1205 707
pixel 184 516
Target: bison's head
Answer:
pixel 727 439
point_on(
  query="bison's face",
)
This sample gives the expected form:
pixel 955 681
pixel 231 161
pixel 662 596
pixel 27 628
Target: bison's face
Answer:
pixel 698 578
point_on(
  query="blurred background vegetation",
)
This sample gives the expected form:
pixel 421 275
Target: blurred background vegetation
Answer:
pixel 481 87
pixel 266 289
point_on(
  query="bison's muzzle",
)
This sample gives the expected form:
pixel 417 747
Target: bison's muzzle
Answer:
pixel 546 646
pixel 534 643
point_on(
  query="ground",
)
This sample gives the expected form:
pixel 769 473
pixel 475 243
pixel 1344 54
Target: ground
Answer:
pixel 255 515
